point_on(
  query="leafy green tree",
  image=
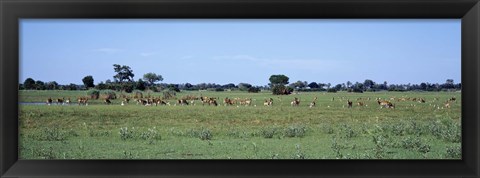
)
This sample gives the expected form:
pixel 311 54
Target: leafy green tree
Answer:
pixel 72 86
pixel 101 86
pixel 173 87
pixel 29 84
pixel 140 85
pixel 313 85
pixel 51 85
pixel 244 86
pixel 88 81
pixel 40 85
pixel 298 84
pixel 278 80
pixel 368 83
pixel 151 78
pixel 124 73
pixel 253 90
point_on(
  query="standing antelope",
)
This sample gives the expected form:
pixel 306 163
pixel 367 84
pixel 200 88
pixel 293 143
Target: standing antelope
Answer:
pixel 107 101
pixel 349 103
pixel 314 102
pixel 295 102
pixel 49 101
pixel 60 100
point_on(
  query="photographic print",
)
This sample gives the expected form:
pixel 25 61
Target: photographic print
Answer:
pixel 240 89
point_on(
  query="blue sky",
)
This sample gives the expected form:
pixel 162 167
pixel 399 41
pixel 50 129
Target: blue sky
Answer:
pixel 249 51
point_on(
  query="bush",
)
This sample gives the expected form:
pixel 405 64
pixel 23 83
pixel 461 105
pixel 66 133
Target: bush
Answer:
pixel 268 132
pixel 295 131
pixel 52 134
pixel 454 152
pixel 137 94
pixel 94 94
pixel 203 134
pixel 109 94
pixel 332 90
pixel 127 134
pixel 253 90
pixel 281 90
pixel 215 89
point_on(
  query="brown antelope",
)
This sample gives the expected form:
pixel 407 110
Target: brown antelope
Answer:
pixel 268 102
pixel 295 102
pixel 107 101
pixel 49 101
pixel 228 101
pixel 452 99
pixel 126 100
pixel 248 101
pixel 142 101
pixel 60 100
pixel 385 104
pixel 214 102
pixel 82 100
pixel 349 103
pixel 421 100
pixel 360 103
pixel 447 104
pixel 182 102
pixel 68 101
pixel 314 102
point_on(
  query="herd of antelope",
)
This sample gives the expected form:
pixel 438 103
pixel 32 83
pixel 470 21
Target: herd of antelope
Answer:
pixel 212 101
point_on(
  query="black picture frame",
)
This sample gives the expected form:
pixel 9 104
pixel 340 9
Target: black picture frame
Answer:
pixel 13 10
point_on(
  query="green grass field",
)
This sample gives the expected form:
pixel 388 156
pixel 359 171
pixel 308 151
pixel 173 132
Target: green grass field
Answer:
pixel 330 130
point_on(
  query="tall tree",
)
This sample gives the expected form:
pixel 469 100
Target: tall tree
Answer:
pixel 313 85
pixel 40 85
pixel 151 78
pixel 88 81
pixel 368 83
pixel 278 80
pixel 349 84
pixel 51 85
pixel 29 84
pixel 124 73
pixel 244 86
pixel 140 85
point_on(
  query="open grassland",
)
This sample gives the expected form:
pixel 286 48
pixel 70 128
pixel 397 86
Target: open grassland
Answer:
pixel 330 130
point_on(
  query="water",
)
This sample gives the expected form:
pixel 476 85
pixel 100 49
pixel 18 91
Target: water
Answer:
pixel 39 103
pixel 31 103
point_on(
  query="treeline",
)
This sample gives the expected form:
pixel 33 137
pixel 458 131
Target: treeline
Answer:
pixel 371 86
pixel 279 84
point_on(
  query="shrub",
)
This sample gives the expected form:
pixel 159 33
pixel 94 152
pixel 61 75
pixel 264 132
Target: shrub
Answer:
pixel 203 134
pixel 150 134
pixel 347 131
pixel 52 134
pixel 268 132
pixel 295 131
pixel 215 89
pixel 415 144
pixel 253 90
pixel 94 94
pixel 454 152
pixel 332 90
pixel 109 94
pixel 125 133
pixel 281 90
